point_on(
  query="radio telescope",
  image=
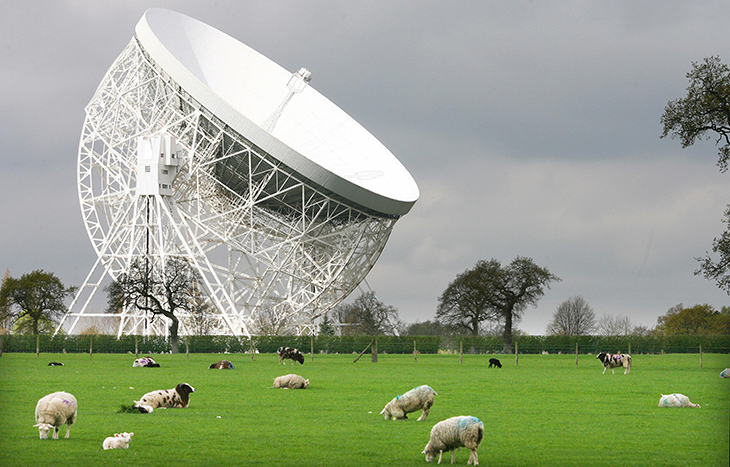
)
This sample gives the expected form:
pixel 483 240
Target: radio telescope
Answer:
pixel 195 146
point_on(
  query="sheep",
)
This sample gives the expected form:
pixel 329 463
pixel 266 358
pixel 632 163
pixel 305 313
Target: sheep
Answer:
pixel 291 382
pixel 118 441
pixel 179 396
pixel 54 410
pixel 145 362
pixel 493 362
pixel 221 365
pixel 725 373
pixel 290 353
pixel 453 433
pixel 415 399
pixel 676 400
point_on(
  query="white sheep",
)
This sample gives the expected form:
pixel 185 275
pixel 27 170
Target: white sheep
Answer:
pixel 291 382
pixel 676 400
pixel 725 373
pixel 453 433
pixel 415 399
pixel 54 410
pixel 118 441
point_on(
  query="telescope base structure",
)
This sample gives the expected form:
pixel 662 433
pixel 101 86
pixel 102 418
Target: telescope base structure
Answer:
pixel 262 238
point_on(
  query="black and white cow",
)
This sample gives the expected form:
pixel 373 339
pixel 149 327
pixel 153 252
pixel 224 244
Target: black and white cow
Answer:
pixel 291 353
pixel 615 361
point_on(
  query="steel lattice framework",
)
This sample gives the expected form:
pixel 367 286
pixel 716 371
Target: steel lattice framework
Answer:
pixel 258 234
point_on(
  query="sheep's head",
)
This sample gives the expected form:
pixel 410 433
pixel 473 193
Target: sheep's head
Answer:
pixel 126 436
pixel 44 429
pixel 306 383
pixel 430 455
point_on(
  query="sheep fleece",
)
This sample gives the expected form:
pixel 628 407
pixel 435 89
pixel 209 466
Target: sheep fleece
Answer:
pixel 415 399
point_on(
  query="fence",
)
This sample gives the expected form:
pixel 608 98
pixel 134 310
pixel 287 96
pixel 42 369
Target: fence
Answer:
pixel 356 344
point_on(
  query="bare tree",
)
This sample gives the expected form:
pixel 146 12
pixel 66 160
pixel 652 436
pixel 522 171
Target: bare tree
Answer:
pixel 610 325
pixel 160 291
pixel 267 321
pixel 367 316
pixel 574 317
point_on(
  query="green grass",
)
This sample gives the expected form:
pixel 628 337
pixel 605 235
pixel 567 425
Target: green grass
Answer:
pixel 544 412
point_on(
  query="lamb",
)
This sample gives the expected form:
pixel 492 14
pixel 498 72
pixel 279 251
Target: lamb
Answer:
pixel 415 399
pixel 453 433
pixel 725 373
pixel 291 382
pixel 145 362
pixel 54 410
pixel 676 400
pixel 179 396
pixel 118 441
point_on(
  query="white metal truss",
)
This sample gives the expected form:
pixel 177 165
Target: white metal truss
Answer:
pixel 257 232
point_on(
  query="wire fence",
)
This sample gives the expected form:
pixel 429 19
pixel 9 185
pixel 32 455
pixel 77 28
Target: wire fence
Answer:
pixel 355 344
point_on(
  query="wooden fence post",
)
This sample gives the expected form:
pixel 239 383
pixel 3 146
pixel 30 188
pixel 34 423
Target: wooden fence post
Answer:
pixel 1 345
pixel 461 351
pixel 700 356
pixel 375 350
pixel 576 354
pixel 187 350
pixel 136 346
pixel 37 345
pixel 517 354
pixel 366 349
pixel 252 349
pixel 415 355
pixel 311 346
pixel 91 345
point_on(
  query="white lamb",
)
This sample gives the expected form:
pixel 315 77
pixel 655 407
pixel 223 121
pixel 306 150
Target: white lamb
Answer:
pixel 291 382
pixel 453 433
pixel 415 399
pixel 676 400
pixel 54 410
pixel 118 441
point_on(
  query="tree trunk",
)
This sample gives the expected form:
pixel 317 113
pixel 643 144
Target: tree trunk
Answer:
pixel 173 335
pixel 507 334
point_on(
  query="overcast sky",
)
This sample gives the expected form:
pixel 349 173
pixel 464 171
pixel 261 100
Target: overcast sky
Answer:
pixel 531 128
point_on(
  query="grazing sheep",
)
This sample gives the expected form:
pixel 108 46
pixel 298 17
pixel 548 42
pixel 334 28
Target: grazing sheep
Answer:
pixel 54 410
pixel 291 382
pixel 179 396
pixel 118 441
pixel 725 373
pixel 415 399
pixel 453 433
pixel 493 362
pixel 222 365
pixel 145 362
pixel 676 400
pixel 291 353
pixel 615 361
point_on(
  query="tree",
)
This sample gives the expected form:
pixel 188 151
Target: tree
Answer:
pixel 428 328
pixel 367 316
pixel 697 320
pixel 705 111
pixel 34 300
pixel 574 317
pixel 492 292
pixel 268 322
pixel 160 291
pixel 610 325
pixel 325 327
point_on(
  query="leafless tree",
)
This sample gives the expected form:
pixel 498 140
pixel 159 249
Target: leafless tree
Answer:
pixel 610 325
pixel 574 317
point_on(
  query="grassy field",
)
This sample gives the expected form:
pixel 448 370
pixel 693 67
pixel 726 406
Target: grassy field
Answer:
pixel 543 412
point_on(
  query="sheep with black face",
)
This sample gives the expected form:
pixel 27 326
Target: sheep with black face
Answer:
pixel 179 396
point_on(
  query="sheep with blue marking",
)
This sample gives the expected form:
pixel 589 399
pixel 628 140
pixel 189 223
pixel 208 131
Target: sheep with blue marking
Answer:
pixel 454 433
pixel 54 410
pixel 418 398
pixel 725 373
pixel 676 400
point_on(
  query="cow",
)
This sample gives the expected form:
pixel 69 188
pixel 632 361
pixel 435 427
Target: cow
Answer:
pixel 493 362
pixel 291 353
pixel 615 361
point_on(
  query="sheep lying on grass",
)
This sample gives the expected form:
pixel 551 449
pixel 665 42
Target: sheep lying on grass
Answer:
pixel 725 373
pixel 221 365
pixel 415 399
pixel 179 396
pixel 676 400
pixel 291 382
pixel 453 433
pixel 118 441
pixel 54 410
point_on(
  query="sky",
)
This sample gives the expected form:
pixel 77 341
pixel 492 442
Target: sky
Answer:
pixel 532 128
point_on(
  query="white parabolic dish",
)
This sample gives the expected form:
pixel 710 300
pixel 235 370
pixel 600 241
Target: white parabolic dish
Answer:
pixel 243 88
